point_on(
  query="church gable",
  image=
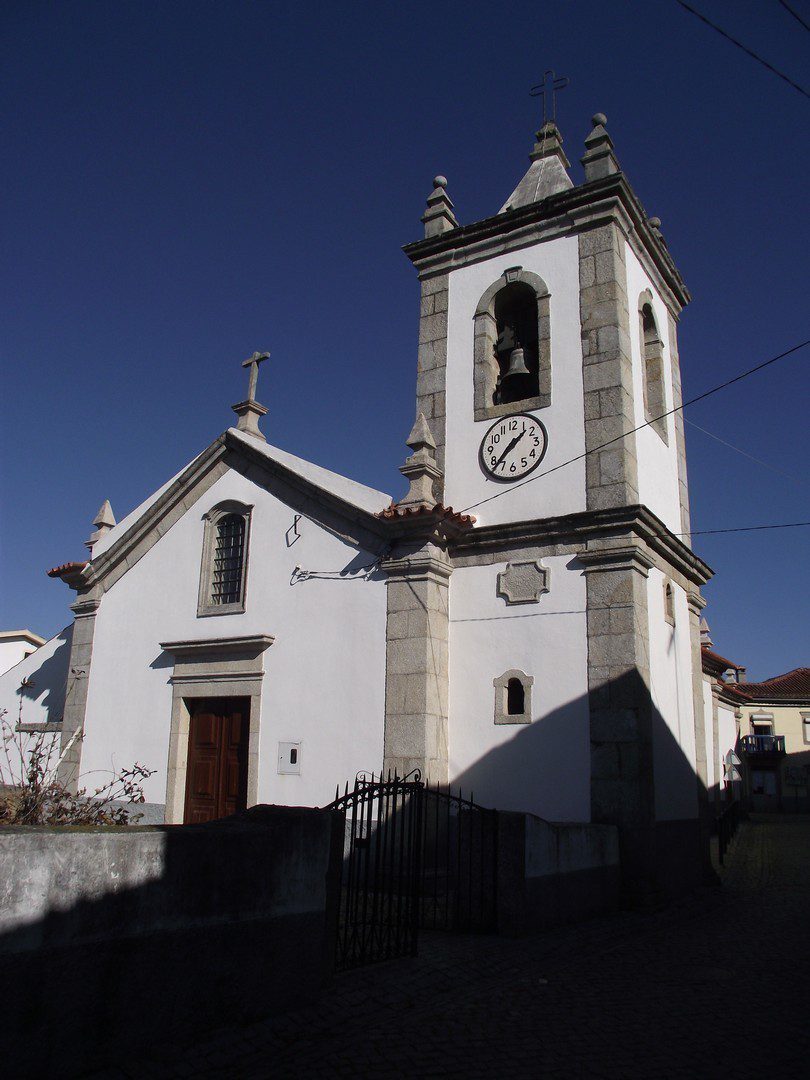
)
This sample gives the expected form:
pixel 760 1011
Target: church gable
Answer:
pixel 335 502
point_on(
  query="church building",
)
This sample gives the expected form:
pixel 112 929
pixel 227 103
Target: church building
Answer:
pixel 523 623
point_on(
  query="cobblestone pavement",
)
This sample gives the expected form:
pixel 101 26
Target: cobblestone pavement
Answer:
pixel 715 985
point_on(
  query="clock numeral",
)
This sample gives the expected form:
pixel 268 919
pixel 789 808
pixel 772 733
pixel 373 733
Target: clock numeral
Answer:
pixel 513 467
pixel 513 425
pixel 536 440
pixel 523 462
pixel 496 438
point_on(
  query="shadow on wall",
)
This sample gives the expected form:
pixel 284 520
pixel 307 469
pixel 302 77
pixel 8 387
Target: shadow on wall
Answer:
pixel 48 682
pixel 640 780
pixel 208 925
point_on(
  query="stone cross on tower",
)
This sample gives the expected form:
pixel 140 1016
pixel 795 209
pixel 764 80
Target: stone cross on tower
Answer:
pixel 249 411
pixel 548 88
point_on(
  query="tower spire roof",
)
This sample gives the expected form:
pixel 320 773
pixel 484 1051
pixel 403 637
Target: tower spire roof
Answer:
pixel 547 174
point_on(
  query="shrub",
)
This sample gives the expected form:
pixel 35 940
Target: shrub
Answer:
pixel 30 794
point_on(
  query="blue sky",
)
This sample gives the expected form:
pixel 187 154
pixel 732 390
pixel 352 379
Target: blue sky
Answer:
pixel 185 182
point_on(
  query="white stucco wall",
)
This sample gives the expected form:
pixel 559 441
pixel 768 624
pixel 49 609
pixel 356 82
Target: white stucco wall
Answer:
pixel 557 263
pixel 673 716
pixel 657 461
pixel 543 767
pixel 47 670
pixel 708 732
pixel 727 731
pixel 324 682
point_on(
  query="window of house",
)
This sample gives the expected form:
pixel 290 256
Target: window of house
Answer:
pixel 512 346
pixel 761 723
pixel 806 726
pixel 652 367
pixel 223 575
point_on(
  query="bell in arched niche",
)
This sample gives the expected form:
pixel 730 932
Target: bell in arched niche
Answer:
pixel 516 344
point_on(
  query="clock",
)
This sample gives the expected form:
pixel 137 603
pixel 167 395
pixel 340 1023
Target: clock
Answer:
pixel 513 447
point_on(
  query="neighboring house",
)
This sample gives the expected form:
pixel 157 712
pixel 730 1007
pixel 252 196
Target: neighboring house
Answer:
pixel 261 629
pixel 15 645
pixel 765 724
pixel 775 741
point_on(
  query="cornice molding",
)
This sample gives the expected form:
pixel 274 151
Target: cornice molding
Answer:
pixel 577 530
pixel 249 645
pixel 618 557
pixel 586 206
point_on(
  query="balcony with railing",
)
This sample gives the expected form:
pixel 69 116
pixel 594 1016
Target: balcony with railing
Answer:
pixel 761 745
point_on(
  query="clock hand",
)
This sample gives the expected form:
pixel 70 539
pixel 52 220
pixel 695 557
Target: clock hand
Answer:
pixel 511 446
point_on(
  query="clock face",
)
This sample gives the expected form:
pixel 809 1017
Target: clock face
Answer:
pixel 513 447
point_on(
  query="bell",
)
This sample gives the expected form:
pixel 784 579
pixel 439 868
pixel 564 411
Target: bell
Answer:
pixel 517 365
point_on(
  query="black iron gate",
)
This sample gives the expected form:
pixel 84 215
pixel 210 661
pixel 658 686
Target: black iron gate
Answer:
pixel 413 857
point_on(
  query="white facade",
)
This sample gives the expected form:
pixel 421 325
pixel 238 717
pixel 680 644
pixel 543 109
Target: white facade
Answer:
pixel 324 681
pixel 674 755
pixel 542 767
pixel 657 459
pixel 557 263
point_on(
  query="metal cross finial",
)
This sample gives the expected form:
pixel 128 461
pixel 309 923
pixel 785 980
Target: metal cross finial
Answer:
pixel 549 86
pixel 253 363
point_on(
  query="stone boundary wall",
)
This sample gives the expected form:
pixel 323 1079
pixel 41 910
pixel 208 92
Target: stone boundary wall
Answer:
pixel 550 873
pixel 127 937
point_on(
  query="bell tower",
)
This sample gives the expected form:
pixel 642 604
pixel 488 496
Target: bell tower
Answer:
pixel 551 327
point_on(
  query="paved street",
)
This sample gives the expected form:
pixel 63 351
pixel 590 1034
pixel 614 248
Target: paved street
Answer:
pixel 716 985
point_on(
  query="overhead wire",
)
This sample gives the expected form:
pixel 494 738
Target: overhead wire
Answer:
pixel 745 49
pixel 795 15
pixel 647 423
pixel 739 450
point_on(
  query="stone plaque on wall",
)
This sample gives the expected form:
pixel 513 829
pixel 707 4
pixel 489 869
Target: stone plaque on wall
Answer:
pixel 523 582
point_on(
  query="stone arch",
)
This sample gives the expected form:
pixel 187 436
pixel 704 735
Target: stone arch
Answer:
pixel 506 697
pixel 652 365
pixel 485 364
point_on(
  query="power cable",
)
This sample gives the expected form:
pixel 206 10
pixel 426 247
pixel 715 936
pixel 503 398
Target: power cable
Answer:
pixel 744 48
pixel 795 15
pixel 759 461
pixel 647 423
pixel 741 529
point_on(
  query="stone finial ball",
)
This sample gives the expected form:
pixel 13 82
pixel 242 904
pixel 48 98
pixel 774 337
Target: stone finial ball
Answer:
pixel 599 118
pixel 655 222
pixel 439 181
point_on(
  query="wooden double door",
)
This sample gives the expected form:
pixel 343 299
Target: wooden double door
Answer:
pixel 216 776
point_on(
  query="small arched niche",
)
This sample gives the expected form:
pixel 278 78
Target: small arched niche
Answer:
pixel 513 697
pixel 652 366
pixel 669 603
pixel 512 346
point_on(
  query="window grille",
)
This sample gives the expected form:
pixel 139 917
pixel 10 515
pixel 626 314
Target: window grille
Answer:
pixel 229 560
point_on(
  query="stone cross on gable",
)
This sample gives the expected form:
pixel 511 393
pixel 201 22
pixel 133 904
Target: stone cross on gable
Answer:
pixel 253 363
pixel 549 87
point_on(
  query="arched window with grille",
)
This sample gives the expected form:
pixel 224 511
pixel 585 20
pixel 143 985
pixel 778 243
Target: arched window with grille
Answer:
pixel 223 574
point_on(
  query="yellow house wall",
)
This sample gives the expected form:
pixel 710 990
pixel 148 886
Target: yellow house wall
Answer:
pixel 787 721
